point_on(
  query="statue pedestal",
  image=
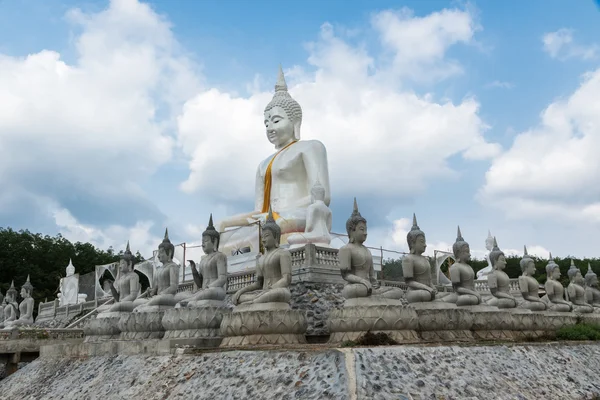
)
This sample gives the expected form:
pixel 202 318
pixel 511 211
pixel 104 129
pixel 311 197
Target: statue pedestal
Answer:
pixel 312 263
pixel 556 320
pixel 375 315
pixel 143 325
pixel 440 321
pixel 190 326
pixel 491 323
pixel 263 324
pixel 104 327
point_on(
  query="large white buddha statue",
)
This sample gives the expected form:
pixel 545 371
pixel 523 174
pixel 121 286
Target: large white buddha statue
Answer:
pixel 285 179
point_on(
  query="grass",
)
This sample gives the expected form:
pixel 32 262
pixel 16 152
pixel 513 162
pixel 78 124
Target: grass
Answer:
pixel 580 331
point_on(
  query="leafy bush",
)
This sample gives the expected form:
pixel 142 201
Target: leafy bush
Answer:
pixel 582 331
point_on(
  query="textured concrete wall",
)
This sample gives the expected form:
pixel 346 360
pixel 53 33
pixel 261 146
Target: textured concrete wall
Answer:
pixel 528 371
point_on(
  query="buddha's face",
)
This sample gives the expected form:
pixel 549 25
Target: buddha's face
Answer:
pixel 317 193
pixel 593 281
pixel 163 256
pixel 24 293
pixel 359 234
pixel 489 243
pixel 420 245
pixel 268 239
pixel 501 262
pixel 207 244
pixel 531 268
pixel 578 278
pixel 280 129
pixel 556 273
pixel 465 254
pixel 123 266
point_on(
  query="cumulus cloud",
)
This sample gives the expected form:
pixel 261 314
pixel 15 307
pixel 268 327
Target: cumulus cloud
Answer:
pixel 95 127
pixel 561 45
pixel 553 169
pixel 379 139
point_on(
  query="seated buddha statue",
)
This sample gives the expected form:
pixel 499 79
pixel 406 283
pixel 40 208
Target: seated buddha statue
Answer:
pixel 165 279
pixel 273 271
pixel 592 293
pixel 529 286
pixel 127 286
pixel 284 179
pixel 356 263
pixel 318 221
pixel 576 291
pixel 554 297
pixel 25 307
pixel 416 268
pixel 462 275
pixel 498 280
pixel 10 306
pixel 211 279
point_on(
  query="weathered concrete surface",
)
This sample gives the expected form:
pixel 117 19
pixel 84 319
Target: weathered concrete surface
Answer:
pixel 515 371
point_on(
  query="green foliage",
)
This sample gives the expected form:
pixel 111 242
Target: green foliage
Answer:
pixel 391 269
pixel 45 259
pixel 581 331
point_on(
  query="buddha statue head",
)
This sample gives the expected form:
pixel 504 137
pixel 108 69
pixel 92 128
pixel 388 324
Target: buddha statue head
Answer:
pixel 356 226
pixel 416 238
pixel 283 115
pixel 11 293
pixel 127 260
pixel 575 274
pixel 527 264
pixel 497 257
pixel 210 238
pixel 166 249
pixel 591 279
pixel 489 242
pixel 552 269
pixel 270 232
pixel 461 249
pixel 317 192
pixel 26 289
pixel 70 268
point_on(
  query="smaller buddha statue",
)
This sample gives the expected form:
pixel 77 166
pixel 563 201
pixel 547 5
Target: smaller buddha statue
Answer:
pixel 462 275
pixel 416 268
pixel 25 307
pixel 529 286
pixel 356 263
pixel 11 307
pixel 318 221
pixel 489 245
pixel 554 297
pixel 211 279
pixel 592 293
pixel 576 291
pixel 127 286
pixel 1 307
pixel 165 279
pixel 498 280
pixel 273 271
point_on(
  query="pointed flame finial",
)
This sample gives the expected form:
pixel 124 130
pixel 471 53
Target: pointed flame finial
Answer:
pixel 127 249
pixel 525 253
pixel 495 244
pixel 550 256
pixel 210 221
pixel 572 263
pixel 281 85
pixel 166 238
pixel 415 226
pixel 270 215
pixel 459 237
pixel 489 234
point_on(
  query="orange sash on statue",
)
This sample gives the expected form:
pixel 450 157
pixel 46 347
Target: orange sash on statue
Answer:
pixel 268 180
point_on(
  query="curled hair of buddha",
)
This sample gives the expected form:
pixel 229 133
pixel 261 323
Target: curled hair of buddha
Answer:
pixel 212 233
pixel 12 292
pixel 354 220
pixel 525 260
pixel 590 276
pixel 414 233
pixel 282 99
pixel 271 226
pixel 458 244
pixel 573 270
pixel 551 266
pixel 495 253
pixel 27 286
pixel 166 244
pixel 127 256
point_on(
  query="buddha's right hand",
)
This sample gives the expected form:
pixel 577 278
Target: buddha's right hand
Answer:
pixel 368 286
pixel 235 298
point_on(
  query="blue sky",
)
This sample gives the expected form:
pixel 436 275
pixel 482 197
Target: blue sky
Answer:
pixel 482 76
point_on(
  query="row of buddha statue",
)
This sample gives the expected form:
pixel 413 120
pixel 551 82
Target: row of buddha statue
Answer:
pixel 13 315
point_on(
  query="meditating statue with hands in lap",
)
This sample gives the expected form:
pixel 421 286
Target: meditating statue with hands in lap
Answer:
pixel 462 275
pixel 416 269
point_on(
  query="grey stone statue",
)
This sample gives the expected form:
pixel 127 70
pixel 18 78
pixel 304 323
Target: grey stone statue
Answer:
pixel 1 307
pixel 356 263
pixel 462 275
pixel 576 291
pixel 11 307
pixel 554 297
pixel 529 286
pixel 592 294
pixel 25 307
pixel 166 280
pixel 416 268
pixel 498 280
pixel 273 272
pixel 127 286
pixel 318 221
pixel 211 279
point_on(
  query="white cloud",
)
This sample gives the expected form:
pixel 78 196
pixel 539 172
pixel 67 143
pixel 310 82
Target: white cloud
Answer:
pixel 93 125
pixel 353 110
pixel 499 85
pixel 553 170
pixel 561 45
